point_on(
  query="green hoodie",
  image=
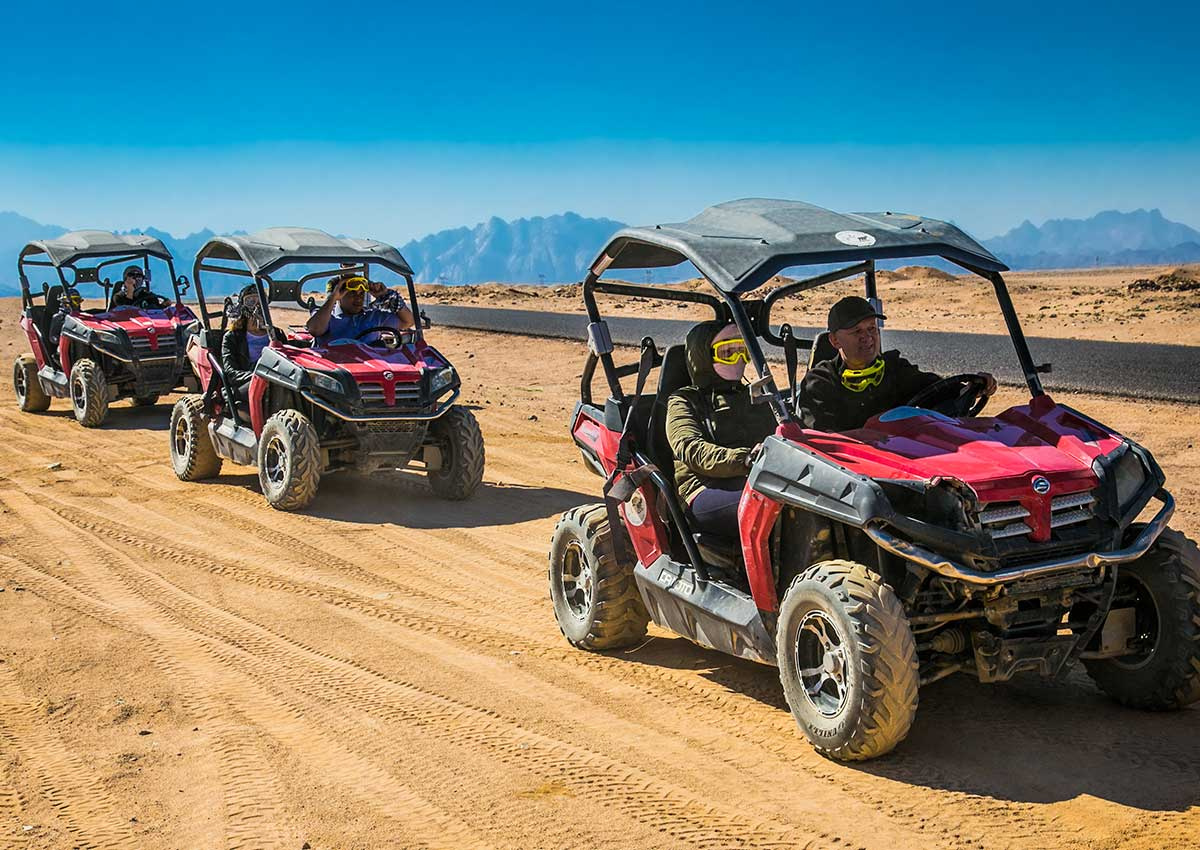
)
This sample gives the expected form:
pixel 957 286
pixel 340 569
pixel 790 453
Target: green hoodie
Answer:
pixel 711 425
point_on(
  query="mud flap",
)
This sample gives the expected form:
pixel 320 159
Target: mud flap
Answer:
pixel 709 613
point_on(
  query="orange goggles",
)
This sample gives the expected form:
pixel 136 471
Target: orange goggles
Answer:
pixel 730 351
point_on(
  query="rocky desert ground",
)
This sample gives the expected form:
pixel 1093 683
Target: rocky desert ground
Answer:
pixel 183 667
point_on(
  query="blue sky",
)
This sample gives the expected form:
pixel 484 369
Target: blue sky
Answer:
pixel 395 121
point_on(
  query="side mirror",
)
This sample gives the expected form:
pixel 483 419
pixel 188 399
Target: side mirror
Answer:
pixel 183 283
pixel 425 323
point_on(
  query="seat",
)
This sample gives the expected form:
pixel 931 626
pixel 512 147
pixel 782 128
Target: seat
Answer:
pixel 672 375
pixel 822 350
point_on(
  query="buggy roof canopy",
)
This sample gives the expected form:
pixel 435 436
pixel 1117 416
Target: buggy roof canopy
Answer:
pixel 79 244
pixel 739 245
pixel 269 249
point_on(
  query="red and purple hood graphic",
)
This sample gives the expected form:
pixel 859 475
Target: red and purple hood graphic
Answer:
pixel 150 325
pixel 998 456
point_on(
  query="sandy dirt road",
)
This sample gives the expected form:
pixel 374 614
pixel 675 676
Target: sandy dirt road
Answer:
pixel 182 667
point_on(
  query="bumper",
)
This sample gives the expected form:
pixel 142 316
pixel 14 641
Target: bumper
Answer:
pixel 1088 560
pixel 380 417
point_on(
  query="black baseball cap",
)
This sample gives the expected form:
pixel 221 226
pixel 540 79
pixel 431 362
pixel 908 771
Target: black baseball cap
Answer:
pixel 131 270
pixel 849 312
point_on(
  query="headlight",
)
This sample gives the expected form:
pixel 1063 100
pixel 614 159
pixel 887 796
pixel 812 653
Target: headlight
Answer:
pixel 1130 476
pixel 326 382
pixel 441 379
pixel 107 338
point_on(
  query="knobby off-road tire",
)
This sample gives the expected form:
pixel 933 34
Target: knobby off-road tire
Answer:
pixel 596 600
pixel 847 660
pixel 31 398
pixel 457 433
pixel 192 454
pixel 289 461
pixel 1168 610
pixel 145 400
pixel 89 393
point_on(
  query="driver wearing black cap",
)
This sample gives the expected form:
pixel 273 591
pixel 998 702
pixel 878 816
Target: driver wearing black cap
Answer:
pixel 134 291
pixel 842 393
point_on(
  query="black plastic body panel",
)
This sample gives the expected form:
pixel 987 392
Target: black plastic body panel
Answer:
pixel 709 613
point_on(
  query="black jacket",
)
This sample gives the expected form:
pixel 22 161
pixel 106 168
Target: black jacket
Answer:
pixel 827 405
pixel 235 357
pixel 143 299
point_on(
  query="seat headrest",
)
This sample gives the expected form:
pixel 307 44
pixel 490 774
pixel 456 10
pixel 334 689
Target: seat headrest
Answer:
pixel 673 373
pixel 822 350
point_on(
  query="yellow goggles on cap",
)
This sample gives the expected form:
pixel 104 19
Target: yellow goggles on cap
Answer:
pixel 730 351
pixel 857 380
pixel 357 284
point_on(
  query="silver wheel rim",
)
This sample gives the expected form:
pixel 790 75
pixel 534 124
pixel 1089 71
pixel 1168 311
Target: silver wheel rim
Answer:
pixel 19 382
pixel 275 462
pixel 577 580
pixel 822 663
pixel 180 441
pixel 78 394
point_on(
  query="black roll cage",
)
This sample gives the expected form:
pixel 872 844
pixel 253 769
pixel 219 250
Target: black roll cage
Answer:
pixel 293 289
pixel 730 307
pixel 27 293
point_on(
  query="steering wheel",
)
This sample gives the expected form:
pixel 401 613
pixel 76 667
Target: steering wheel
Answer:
pixel 389 336
pixel 957 395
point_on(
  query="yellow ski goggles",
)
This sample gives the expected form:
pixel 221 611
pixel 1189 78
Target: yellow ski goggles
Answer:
pixel 857 380
pixel 730 351
pixel 356 284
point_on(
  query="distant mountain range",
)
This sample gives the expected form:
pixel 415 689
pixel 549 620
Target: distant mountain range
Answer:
pixel 556 248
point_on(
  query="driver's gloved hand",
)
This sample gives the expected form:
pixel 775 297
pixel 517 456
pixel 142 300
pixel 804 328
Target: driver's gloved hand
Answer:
pixel 390 301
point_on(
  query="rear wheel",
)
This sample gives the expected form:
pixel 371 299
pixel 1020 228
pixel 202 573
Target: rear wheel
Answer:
pixel 847 661
pixel 89 393
pixel 289 461
pixel 145 400
pixel 30 396
pixel 456 433
pixel 1163 587
pixel 596 600
pixel 192 454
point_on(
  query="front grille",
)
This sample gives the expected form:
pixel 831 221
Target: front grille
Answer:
pixel 1010 519
pixel 408 396
pixel 141 346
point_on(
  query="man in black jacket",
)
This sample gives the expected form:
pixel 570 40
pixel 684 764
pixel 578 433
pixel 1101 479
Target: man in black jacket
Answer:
pixel 842 393
pixel 133 291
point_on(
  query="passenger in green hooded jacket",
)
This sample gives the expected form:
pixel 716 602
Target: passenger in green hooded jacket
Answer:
pixel 712 427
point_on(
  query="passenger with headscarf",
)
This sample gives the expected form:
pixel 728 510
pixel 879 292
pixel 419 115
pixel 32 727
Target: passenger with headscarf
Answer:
pixel 244 341
pixel 712 426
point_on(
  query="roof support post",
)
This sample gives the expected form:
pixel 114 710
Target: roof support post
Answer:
pixel 1015 332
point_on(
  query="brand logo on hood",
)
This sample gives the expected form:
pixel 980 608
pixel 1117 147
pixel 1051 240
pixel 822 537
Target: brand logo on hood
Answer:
pixel 1041 485
pixel 387 376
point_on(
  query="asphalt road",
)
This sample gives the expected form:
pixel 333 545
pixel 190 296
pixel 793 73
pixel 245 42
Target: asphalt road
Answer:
pixel 1132 369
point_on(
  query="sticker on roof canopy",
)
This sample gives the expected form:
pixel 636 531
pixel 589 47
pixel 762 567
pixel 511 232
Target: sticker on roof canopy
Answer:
pixel 855 238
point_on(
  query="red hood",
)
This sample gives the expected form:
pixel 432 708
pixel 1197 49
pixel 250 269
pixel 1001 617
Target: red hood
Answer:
pixel 365 363
pixel 997 456
pixel 149 324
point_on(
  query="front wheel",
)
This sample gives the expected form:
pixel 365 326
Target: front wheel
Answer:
pixel 596 600
pixel 1163 588
pixel 456 434
pixel 31 398
pixel 289 461
pixel 89 393
pixel 847 660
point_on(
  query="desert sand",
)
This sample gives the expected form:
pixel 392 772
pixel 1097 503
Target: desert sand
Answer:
pixel 1143 304
pixel 183 667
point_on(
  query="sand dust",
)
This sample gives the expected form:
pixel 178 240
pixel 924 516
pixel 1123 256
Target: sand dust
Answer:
pixel 182 667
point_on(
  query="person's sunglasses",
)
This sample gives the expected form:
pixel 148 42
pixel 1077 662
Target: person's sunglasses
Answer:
pixel 730 351
pixel 136 275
